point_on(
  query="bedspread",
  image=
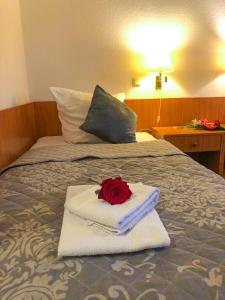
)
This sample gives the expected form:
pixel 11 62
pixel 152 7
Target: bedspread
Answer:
pixel 191 206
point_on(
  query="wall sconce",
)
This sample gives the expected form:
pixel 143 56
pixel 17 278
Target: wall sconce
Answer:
pixel 135 82
pixel 160 63
pixel 159 79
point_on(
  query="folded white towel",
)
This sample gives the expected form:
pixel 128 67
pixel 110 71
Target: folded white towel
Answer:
pixel 117 219
pixel 77 238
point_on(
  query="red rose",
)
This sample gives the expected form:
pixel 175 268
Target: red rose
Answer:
pixel 203 121
pixel 210 126
pixel 217 123
pixel 114 191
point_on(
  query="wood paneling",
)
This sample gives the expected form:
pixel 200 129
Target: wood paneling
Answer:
pixel 180 111
pixel 22 125
pixel 17 132
pixel 47 120
pixel 174 111
pixel 147 112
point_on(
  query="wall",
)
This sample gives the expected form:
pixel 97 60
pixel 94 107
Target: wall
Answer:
pixel 13 78
pixel 78 43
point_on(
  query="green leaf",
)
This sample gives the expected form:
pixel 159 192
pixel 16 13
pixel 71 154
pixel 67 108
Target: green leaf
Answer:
pixel 97 191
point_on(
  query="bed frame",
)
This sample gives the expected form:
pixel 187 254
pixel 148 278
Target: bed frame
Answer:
pixel 21 126
pixel 17 132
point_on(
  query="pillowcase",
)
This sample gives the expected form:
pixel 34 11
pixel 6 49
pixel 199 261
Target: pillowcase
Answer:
pixel 109 119
pixel 72 108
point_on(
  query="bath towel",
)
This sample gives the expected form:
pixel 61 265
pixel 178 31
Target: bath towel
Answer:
pixel 79 238
pixel 117 219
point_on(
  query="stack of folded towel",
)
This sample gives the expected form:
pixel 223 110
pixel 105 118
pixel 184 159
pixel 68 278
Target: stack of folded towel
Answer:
pixel 92 226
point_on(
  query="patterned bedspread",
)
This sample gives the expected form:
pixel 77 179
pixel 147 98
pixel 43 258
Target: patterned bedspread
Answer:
pixel 191 206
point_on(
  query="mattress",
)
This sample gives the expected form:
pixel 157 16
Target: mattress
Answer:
pixel 191 206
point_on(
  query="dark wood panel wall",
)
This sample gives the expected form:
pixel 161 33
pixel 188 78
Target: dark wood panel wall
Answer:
pixel 21 126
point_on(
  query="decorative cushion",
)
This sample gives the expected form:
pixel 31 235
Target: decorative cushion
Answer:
pixel 109 119
pixel 72 109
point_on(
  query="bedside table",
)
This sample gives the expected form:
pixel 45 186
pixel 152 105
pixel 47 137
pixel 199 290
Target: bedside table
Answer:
pixel 207 147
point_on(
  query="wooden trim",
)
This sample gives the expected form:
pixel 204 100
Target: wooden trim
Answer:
pixel 17 132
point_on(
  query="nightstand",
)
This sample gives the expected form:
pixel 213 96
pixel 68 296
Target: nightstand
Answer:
pixel 207 147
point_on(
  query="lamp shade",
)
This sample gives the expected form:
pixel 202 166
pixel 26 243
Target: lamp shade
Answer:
pixel 159 62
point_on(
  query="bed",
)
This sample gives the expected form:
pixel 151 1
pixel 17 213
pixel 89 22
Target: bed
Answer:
pixel 191 207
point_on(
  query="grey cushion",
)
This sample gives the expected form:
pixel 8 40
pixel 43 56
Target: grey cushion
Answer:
pixel 109 119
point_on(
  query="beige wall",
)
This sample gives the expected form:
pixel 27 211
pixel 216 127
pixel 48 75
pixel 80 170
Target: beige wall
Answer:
pixel 78 43
pixel 13 78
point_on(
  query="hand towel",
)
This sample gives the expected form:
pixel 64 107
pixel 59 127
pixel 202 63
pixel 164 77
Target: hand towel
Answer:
pixel 117 219
pixel 78 239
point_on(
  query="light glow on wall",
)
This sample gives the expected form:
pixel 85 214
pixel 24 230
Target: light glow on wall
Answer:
pixel 151 45
pixel 221 28
pixel 158 62
pixel 147 89
pixel 213 87
pixel 147 37
pixel 220 57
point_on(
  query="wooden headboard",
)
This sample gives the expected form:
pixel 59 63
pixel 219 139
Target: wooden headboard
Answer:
pixel 174 111
pixel 47 120
pixel 17 132
pixel 22 125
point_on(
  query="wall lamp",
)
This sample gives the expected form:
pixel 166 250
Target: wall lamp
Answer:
pixel 160 64
pixel 159 79
pixel 157 64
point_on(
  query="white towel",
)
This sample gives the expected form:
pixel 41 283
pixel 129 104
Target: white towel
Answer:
pixel 117 219
pixel 78 239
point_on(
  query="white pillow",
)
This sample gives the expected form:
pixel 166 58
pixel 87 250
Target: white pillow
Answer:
pixel 72 109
